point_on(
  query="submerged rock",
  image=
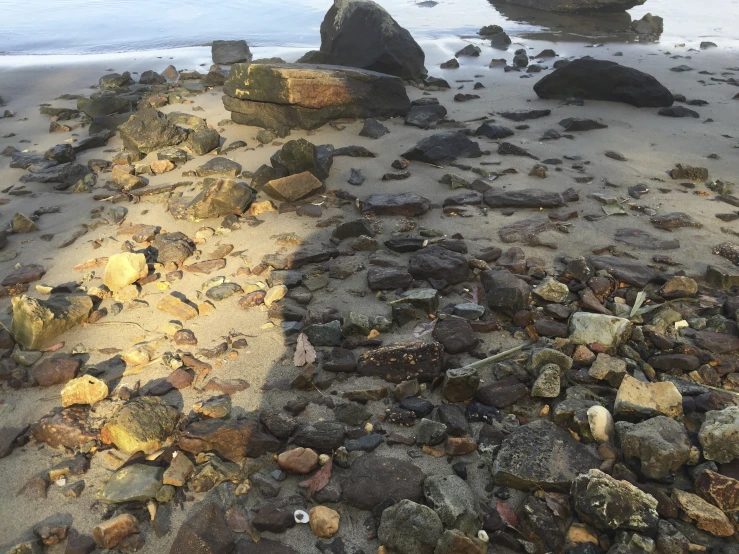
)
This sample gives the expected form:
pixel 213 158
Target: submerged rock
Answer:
pixel 576 5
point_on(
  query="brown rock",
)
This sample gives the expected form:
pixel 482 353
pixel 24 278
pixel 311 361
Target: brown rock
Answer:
pixel 110 533
pixel 177 307
pixel 64 427
pixel 415 360
pixel 226 386
pixel 231 439
pixel 24 274
pixel 324 522
pixel 179 470
pixel 293 187
pixel 58 370
pixel 298 460
pixel 204 532
pixel 706 516
pixel 719 490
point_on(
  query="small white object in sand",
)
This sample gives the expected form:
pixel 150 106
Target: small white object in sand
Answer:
pixel 301 516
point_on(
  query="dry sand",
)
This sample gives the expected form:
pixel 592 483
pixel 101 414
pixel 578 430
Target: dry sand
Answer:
pixel 652 145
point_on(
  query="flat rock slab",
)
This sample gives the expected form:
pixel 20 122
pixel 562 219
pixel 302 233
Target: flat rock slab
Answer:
pixel 307 96
pixel 24 274
pixel 526 198
pixel 568 6
pixel 415 360
pixel 641 239
pixel 630 272
pixel 542 455
pixel 604 80
pixel 404 203
pixel 401 480
pixel 443 148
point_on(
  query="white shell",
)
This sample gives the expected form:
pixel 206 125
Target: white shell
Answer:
pixel 301 516
pixel 483 536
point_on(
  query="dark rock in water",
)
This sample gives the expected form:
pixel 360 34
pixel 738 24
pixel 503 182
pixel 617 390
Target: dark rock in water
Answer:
pixel 604 80
pixel 443 148
pixel 622 269
pixel 373 129
pixel 148 131
pixel 678 111
pixel 401 480
pixel 404 203
pixel 426 116
pixel 526 198
pixel 651 25
pixel 256 94
pixel 581 124
pixel 435 262
pixel 509 149
pixel 495 132
pixel 456 335
pixel 497 36
pixel 360 33
pixel 505 292
pixel 641 239
pixel 541 455
pixel 469 50
pixel 204 532
pixel 415 360
pixel 450 64
pixel 520 58
pixel 525 115
pixel 227 52
pixel 576 5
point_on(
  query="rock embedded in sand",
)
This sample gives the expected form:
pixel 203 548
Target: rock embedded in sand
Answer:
pixel 111 532
pixel 64 427
pixel 142 424
pixel 402 480
pixel 148 130
pixel 361 33
pixel 218 198
pixel 454 502
pixel 133 483
pixel 37 322
pixel 526 198
pixel 404 203
pixel 24 274
pixel 124 269
pixel 58 370
pixel 177 307
pixel 227 52
pixel 415 360
pixel 436 262
pixel 293 187
pixel 204 532
pixel 298 460
pixel 541 455
pixel 443 148
pixel 230 439
pixel 604 80
pixel 84 390
pixel 257 94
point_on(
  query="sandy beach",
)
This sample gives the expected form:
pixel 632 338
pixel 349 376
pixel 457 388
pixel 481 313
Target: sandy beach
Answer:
pixel 651 145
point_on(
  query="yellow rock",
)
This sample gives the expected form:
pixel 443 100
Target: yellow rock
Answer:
pixel 37 322
pixel 580 534
pixel 324 522
pixel 176 307
pixel 124 269
pixel 84 390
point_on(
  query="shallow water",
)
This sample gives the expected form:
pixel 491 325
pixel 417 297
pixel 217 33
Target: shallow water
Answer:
pixel 100 26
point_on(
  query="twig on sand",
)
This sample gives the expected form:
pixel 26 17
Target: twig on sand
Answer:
pixel 498 356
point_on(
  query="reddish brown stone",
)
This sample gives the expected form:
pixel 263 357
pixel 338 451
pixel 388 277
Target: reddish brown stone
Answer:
pixel 226 386
pixel 24 274
pixel 459 446
pixel 232 439
pixel 55 371
pixel 179 379
pixel 719 490
pixel 64 427
pixel 185 337
pixel 253 299
pixel 207 267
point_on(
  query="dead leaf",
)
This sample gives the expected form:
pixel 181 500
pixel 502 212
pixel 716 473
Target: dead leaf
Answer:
pixel 506 514
pixel 54 347
pixel 304 351
pixel 423 329
pixel 558 503
pixel 431 451
pixel 319 480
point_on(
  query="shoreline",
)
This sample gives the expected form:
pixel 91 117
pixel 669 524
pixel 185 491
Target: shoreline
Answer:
pixel 651 144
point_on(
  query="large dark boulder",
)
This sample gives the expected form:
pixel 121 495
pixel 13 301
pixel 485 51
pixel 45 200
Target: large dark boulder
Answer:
pixel 360 33
pixel 147 131
pixel 304 96
pixel 575 5
pixel 604 80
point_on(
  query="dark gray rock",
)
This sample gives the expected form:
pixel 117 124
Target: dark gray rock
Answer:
pixel 581 124
pixel 426 116
pixel 373 129
pixel 526 198
pixel 505 292
pixel 204 532
pixel 227 52
pixel 401 480
pixel 678 111
pixel 404 203
pixel 604 80
pixel 495 132
pixel 542 455
pixel 435 262
pixel 660 443
pixel 148 130
pixel 360 33
pixel 443 148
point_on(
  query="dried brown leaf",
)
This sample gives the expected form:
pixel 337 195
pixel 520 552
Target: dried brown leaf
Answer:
pixel 319 480
pixel 506 514
pixel 304 351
